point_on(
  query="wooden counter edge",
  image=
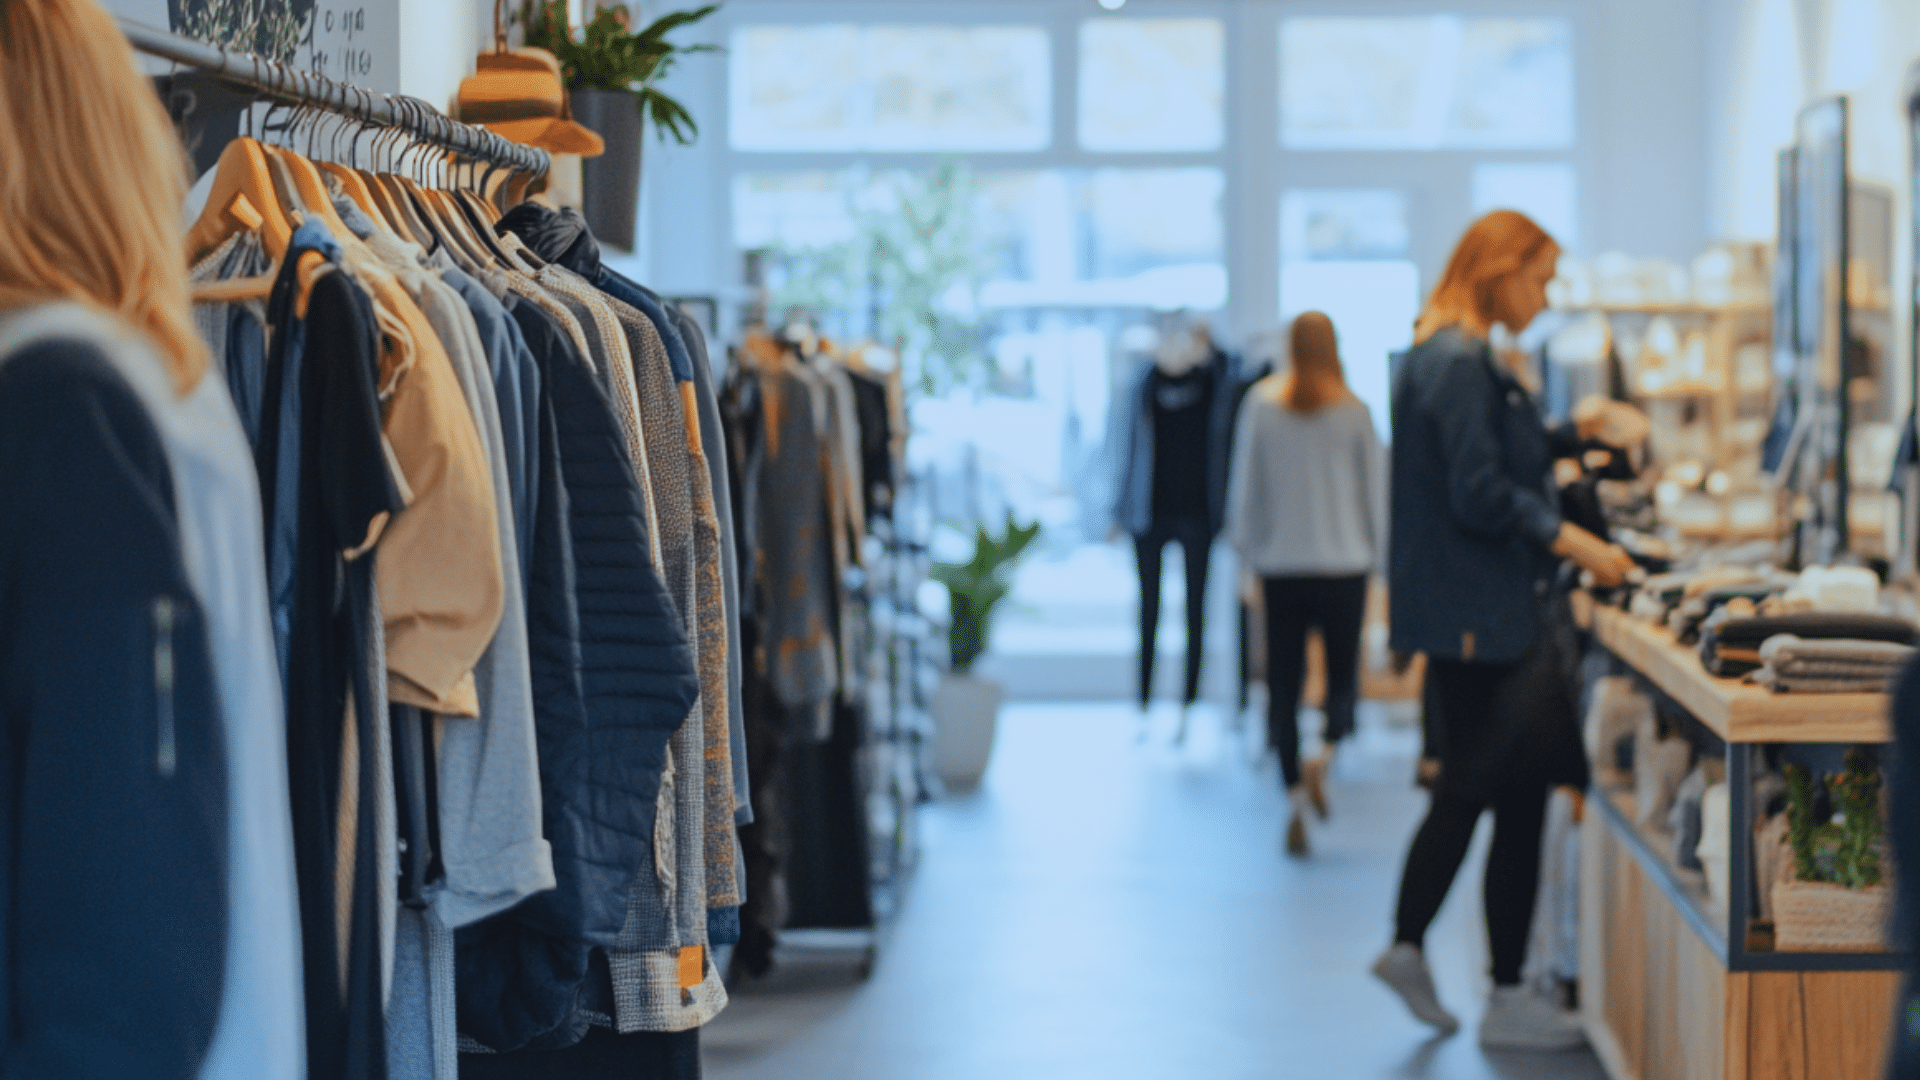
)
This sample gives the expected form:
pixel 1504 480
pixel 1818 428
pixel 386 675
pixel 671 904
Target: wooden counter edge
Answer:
pixel 1733 710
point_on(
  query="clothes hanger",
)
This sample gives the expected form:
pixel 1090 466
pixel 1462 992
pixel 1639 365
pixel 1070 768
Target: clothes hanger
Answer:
pixel 243 198
pixel 282 195
pixel 401 204
pixel 351 181
pixel 461 230
pixel 407 179
pixel 382 138
pixel 453 226
pixel 476 210
pixel 474 231
pixel 309 188
pixel 402 223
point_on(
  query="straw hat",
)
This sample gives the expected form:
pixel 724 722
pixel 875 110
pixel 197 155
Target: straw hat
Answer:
pixel 519 95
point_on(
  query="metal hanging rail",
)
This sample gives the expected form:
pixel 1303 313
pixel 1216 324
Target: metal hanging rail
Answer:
pixel 294 86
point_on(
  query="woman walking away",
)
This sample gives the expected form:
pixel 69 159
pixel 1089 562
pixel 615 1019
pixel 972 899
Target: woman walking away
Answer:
pixel 1475 537
pixel 1306 510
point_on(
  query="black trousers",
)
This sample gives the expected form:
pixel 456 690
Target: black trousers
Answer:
pixel 1466 692
pixel 763 842
pixel 1195 537
pixel 1337 607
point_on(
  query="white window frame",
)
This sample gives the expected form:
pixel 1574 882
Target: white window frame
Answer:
pixel 694 204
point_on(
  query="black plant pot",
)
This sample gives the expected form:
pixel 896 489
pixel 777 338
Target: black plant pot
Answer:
pixel 610 183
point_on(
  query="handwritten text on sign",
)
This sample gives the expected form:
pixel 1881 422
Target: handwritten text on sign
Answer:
pixel 355 43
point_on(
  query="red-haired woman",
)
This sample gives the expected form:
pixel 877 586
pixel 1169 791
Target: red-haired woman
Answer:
pixel 1477 534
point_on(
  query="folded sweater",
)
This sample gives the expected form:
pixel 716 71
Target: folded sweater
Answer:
pixel 1742 637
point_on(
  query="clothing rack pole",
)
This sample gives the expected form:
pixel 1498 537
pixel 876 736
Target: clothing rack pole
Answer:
pixel 279 80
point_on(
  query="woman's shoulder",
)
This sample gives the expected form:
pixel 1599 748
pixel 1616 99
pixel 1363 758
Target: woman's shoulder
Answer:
pixel 1448 342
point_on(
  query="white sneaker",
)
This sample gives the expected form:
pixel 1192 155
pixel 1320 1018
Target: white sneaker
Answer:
pixel 1404 968
pixel 1519 1020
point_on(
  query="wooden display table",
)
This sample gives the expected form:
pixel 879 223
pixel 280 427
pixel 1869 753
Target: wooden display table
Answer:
pixel 1668 986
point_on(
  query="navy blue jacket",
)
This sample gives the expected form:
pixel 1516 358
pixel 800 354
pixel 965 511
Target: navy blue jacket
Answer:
pixel 613 678
pixel 113 882
pixel 1473 514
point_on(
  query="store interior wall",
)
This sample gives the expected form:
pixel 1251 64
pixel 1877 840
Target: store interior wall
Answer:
pixel 1775 56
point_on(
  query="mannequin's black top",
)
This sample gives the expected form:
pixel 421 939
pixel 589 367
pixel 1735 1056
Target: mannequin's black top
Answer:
pixel 1181 407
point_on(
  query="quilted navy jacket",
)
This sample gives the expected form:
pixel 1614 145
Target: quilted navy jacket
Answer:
pixel 1472 511
pixel 112 771
pixel 613 679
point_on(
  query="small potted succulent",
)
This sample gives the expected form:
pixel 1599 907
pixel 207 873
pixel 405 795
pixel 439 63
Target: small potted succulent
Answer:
pixel 966 707
pixel 612 76
pixel 1831 895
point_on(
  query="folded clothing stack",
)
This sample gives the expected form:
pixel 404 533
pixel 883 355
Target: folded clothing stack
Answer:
pixel 1832 665
pixel 1732 648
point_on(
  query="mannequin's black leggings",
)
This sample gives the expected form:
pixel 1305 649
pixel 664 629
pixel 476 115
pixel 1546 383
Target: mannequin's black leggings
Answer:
pixel 1513 871
pixel 1196 540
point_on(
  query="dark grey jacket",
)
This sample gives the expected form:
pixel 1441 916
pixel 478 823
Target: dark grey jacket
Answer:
pixel 1473 514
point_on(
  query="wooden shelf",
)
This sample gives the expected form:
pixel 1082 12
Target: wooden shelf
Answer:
pixel 1661 1005
pixel 1736 711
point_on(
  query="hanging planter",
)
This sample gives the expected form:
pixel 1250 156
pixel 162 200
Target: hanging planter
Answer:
pixel 610 183
pixel 611 76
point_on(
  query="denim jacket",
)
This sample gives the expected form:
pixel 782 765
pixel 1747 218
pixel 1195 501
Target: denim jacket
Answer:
pixel 1473 514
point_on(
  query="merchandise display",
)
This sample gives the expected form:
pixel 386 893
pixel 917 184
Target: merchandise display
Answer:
pixel 1730 876
pixel 513 548
pixel 469 611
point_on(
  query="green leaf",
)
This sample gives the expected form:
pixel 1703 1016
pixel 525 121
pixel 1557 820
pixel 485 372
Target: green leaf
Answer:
pixel 977 586
pixel 669 116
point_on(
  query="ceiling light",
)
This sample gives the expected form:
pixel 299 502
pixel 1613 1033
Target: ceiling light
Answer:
pixel 1113 5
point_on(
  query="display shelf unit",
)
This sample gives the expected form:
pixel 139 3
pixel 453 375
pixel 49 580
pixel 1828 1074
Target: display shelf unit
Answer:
pixel 1669 985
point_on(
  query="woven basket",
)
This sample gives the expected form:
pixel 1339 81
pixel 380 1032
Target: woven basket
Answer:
pixel 1819 916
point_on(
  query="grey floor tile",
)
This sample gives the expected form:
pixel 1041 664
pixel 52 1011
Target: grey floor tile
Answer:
pixel 1116 908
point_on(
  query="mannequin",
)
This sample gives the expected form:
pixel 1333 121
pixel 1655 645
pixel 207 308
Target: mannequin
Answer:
pixel 1172 486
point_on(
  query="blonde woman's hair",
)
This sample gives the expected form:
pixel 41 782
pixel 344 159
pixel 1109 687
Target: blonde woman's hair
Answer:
pixel 1315 378
pixel 92 178
pixel 1494 248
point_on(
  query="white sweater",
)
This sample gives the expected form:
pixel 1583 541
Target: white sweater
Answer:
pixel 1307 493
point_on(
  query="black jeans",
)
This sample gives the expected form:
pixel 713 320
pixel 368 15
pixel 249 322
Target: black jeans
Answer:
pixel 1464 693
pixel 1195 537
pixel 1337 606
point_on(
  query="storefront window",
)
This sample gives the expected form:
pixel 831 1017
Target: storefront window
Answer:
pixel 1547 193
pixel 1343 252
pixel 1426 83
pixel 1152 84
pixel 846 87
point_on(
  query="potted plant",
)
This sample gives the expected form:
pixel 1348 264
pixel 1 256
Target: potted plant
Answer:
pixel 966 707
pixel 612 78
pixel 1830 895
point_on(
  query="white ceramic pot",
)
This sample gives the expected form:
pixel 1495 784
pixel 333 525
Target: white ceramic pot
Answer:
pixel 966 709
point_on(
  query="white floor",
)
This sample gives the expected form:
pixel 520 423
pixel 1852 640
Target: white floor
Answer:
pixel 1109 905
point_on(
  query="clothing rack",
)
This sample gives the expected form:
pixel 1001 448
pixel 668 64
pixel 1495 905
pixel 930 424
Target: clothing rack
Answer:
pixel 286 83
